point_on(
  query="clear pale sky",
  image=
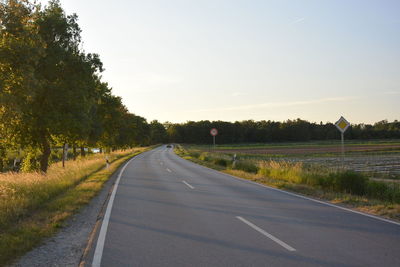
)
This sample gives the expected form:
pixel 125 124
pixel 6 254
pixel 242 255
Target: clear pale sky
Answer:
pixel 235 60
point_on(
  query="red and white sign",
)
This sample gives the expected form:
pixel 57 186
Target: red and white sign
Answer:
pixel 214 132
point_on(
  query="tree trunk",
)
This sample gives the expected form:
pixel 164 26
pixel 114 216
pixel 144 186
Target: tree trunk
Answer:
pixel 82 151
pixel 101 150
pixel 44 160
pixel 74 151
pixel 63 156
pixel 2 159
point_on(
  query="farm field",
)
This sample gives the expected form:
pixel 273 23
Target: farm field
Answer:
pixel 368 181
pixel 379 157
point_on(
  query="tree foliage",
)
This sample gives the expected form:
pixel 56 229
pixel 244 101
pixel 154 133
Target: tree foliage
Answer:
pixel 271 131
pixel 51 91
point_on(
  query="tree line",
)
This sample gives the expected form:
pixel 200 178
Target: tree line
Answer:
pixel 51 91
pixel 250 131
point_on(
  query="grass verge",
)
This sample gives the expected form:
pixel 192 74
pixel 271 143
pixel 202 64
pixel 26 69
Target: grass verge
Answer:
pixel 349 189
pixel 33 206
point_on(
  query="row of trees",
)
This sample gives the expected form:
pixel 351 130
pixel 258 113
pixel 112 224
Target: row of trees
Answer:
pixel 51 92
pixel 271 131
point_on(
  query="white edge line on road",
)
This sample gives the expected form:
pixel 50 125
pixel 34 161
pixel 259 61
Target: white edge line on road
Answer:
pixel 169 170
pixel 263 232
pixel 188 185
pixel 98 253
pixel 300 196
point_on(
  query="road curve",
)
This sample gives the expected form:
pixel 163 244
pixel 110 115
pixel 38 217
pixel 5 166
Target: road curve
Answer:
pixel 167 211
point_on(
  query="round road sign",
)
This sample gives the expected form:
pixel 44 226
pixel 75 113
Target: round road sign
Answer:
pixel 214 132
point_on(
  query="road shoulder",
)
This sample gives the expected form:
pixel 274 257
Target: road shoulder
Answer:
pixel 68 246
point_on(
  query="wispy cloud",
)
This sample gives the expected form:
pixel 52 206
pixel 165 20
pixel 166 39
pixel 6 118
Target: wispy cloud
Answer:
pixel 297 20
pixel 392 93
pixel 278 104
pixel 236 94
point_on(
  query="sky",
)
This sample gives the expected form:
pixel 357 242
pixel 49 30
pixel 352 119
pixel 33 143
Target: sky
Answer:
pixel 181 60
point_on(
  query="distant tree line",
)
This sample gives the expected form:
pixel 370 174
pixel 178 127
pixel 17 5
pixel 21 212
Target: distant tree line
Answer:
pixel 250 131
pixel 51 91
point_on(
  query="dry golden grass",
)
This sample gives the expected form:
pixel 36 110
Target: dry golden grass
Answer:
pixel 22 192
pixel 33 206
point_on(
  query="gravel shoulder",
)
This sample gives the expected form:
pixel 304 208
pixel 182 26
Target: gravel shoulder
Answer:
pixel 68 246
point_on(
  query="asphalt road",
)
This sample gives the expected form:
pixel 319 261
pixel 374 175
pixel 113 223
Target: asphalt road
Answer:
pixel 171 212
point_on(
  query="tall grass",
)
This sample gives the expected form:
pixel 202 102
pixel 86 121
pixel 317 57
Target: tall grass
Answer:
pixel 346 181
pixel 34 206
pixel 22 193
pixel 318 177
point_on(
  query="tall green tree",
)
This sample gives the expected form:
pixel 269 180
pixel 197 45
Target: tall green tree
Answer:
pixel 21 49
pixel 158 133
pixel 48 84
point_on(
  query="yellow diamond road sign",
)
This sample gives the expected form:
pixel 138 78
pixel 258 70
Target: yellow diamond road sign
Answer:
pixel 342 124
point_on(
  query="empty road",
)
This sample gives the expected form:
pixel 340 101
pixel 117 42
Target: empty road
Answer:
pixel 167 211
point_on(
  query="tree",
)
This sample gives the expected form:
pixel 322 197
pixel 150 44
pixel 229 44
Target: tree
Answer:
pixel 158 133
pixel 48 84
pixel 51 91
pixel 21 49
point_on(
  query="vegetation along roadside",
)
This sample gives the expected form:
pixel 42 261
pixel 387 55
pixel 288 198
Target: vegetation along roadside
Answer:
pixel 33 207
pixel 344 187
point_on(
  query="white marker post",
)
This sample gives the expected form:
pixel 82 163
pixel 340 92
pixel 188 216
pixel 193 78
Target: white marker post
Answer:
pixel 107 163
pixel 214 133
pixel 342 124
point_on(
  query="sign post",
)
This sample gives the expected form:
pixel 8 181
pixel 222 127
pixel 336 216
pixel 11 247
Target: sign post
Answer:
pixel 342 124
pixel 214 133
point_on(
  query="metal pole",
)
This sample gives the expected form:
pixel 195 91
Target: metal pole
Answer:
pixel 214 141
pixel 342 150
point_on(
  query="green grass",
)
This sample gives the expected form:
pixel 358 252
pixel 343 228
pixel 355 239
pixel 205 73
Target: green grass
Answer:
pixel 33 206
pixel 345 187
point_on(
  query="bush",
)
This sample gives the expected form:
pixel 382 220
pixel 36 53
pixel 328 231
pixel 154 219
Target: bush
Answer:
pixel 221 162
pixel 194 154
pixel 383 191
pixel 30 163
pixel 204 156
pixel 245 166
pixel 349 182
pixel 55 156
pixel 377 189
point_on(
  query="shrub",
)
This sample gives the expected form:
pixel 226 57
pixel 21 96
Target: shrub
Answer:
pixel 350 182
pixel 384 191
pixel 221 162
pixel 194 154
pixel 55 156
pixel 377 189
pixel 245 166
pixel 30 163
pixel 204 156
